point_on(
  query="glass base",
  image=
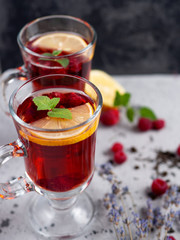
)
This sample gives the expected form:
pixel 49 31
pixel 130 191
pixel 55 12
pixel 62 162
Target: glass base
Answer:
pixel 51 221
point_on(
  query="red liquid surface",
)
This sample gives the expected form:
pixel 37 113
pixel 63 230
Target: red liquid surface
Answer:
pixel 79 65
pixel 57 168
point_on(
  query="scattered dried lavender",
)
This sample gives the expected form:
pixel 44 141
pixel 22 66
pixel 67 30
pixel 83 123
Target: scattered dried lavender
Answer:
pixel 128 223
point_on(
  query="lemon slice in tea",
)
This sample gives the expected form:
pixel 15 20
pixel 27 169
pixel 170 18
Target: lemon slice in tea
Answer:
pixel 68 42
pixel 79 115
pixel 107 86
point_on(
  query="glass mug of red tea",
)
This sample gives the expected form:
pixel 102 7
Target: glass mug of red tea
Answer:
pixel 52 45
pixel 56 125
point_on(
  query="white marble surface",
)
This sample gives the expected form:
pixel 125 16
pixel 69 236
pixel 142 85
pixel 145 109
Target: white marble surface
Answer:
pixel 160 92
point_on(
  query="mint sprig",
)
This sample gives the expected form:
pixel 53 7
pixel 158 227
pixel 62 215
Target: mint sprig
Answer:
pixel 123 100
pixel 45 103
pixel 60 113
pixel 63 61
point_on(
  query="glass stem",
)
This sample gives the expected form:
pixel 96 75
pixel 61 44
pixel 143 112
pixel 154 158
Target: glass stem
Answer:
pixel 62 204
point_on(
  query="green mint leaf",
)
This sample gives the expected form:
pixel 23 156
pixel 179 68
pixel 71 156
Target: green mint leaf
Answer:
pixel 117 99
pixel 46 59
pixel 130 114
pixel 121 100
pixel 42 102
pixel 147 113
pixel 45 103
pixel 54 102
pixel 60 113
pixel 47 55
pixel 56 52
pixel 125 99
pixel 63 61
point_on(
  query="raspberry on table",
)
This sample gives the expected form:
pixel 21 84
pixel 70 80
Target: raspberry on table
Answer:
pixel 144 124
pixel 171 237
pixel 117 147
pixel 158 124
pixel 110 117
pixel 159 187
pixel 120 157
pixel 178 150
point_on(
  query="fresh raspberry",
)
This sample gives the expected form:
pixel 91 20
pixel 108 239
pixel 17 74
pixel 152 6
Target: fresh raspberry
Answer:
pixel 159 187
pixel 178 150
pixel 119 157
pixel 158 124
pixel 171 237
pixel 110 117
pixel 144 124
pixel 117 147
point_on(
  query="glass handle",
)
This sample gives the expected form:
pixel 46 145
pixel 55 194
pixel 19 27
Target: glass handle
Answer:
pixel 20 185
pixel 11 79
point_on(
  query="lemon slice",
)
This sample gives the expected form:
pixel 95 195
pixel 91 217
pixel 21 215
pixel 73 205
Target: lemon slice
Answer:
pixel 61 41
pixel 107 86
pixel 79 115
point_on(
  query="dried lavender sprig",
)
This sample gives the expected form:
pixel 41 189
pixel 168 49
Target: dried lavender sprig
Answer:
pixel 114 216
pixel 141 226
pixel 155 218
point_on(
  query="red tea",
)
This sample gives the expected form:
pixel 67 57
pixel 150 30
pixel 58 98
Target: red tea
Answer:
pixel 57 161
pixel 64 46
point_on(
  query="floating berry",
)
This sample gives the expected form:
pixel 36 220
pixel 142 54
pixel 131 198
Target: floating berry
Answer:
pixel 144 124
pixel 110 117
pixel 178 150
pixel 74 100
pixel 117 147
pixel 159 187
pixel 158 124
pixel 119 157
pixel 75 65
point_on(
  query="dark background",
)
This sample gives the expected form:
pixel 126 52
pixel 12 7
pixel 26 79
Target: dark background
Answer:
pixel 134 36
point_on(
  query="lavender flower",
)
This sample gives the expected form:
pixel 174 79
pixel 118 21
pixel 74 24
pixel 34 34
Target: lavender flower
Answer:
pixel 159 218
pixel 125 190
pixel 172 197
pixel 121 211
pixel 121 232
pixel 109 199
pixel 105 169
pixel 141 225
pixel 115 188
pixel 114 216
pixel 177 215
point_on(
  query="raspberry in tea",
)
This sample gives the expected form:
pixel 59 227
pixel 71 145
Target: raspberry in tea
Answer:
pixel 59 161
pixel 58 50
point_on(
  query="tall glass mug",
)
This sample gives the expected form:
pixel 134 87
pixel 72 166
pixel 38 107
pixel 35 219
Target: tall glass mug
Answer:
pixel 52 45
pixel 58 147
